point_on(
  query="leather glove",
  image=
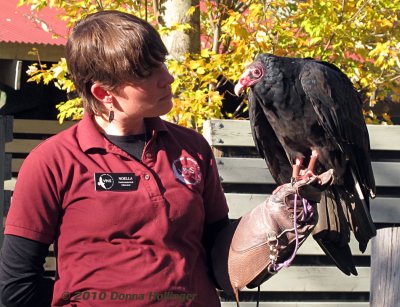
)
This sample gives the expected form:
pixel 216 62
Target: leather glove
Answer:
pixel 255 247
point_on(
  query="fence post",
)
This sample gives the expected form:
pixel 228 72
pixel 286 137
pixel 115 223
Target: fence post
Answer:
pixel 5 165
pixel 385 268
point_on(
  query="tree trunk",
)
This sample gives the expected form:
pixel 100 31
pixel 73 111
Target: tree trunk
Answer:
pixel 179 42
pixel 385 268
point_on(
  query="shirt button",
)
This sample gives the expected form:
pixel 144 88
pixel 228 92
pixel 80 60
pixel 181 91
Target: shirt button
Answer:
pixel 147 177
pixel 148 155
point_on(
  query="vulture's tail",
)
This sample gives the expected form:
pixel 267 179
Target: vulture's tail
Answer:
pixel 332 232
pixel 359 217
pixel 340 212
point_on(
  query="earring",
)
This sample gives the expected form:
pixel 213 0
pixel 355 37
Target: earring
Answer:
pixel 111 111
pixel 111 114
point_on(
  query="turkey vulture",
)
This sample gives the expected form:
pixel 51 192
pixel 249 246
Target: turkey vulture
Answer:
pixel 301 107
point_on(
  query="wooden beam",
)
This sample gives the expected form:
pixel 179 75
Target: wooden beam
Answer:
pixel 383 209
pixel 317 279
pixel 302 279
pixel 2 177
pixel 22 145
pixel 5 136
pixel 35 126
pixel 238 133
pixel 385 268
pixel 255 171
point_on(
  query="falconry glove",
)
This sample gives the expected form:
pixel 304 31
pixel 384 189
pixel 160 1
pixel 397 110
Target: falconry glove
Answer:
pixel 255 247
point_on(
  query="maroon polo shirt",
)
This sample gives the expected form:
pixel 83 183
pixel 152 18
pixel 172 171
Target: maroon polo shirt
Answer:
pixel 126 233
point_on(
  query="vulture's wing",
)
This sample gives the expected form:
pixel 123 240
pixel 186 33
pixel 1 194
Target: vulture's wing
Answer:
pixel 267 143
pixel 338 108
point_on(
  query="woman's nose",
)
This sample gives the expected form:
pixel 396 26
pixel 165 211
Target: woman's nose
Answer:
pixel 166 78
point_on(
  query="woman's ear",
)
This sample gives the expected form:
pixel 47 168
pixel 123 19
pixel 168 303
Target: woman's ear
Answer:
pixel 101 94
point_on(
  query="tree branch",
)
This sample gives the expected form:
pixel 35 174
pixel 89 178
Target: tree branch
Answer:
pixel 156 10
pixel 333 33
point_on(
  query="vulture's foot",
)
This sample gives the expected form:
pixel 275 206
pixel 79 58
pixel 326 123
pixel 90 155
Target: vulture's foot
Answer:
pixel 304 174
pixel 299 174
pixel 296 170
pixel 309 172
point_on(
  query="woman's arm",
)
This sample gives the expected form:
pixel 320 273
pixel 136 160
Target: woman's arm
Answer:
pixel 22 281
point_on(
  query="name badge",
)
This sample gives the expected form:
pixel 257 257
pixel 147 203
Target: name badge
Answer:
pixel 115 181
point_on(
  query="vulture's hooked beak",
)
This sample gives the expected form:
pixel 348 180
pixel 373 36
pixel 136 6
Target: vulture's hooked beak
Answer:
pixel 242 83
pixel 238 88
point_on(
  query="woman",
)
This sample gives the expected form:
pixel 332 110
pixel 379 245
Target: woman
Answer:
pixel 124 195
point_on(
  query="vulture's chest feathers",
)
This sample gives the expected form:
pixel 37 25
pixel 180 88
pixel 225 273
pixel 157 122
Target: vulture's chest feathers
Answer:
pixel 286 106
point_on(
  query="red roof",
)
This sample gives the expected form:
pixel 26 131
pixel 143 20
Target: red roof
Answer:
pixel 20 25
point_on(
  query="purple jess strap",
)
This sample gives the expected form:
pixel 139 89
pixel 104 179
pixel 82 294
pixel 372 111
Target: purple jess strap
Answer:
pixel 308 213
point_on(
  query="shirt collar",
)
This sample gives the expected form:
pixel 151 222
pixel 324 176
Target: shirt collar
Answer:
pixel 90 137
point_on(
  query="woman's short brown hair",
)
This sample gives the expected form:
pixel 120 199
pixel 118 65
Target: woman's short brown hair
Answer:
pixel 111 48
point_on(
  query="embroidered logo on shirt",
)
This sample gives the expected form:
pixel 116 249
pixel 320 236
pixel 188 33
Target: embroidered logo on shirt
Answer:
pixel 187 170
pixel 115 181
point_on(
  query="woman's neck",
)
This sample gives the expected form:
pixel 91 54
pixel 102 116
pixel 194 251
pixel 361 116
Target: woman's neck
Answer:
pixel 119 127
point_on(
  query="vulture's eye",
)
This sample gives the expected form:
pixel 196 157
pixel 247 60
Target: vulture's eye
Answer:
pixel 256 72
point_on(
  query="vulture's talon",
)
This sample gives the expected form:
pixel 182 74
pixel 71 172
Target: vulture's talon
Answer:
pixel 313 160
pixel 307 175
